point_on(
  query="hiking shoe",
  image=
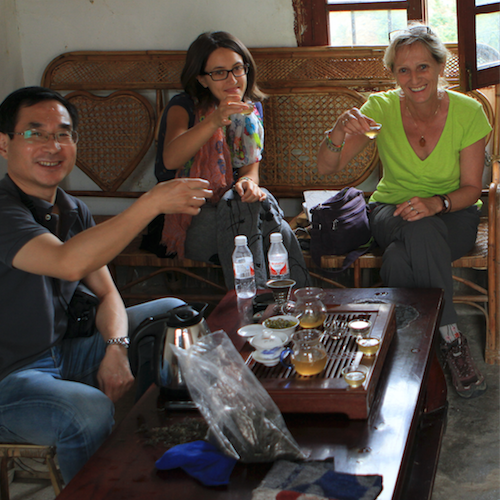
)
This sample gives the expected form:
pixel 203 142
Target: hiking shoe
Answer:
pixel 467 379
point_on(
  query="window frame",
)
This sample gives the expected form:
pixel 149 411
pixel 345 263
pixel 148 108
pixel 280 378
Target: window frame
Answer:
pixel 312 16
pixel 471 77
pixel 312 29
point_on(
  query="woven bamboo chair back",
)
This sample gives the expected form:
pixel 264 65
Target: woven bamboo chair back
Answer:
pixel 115 133
pixel 294 126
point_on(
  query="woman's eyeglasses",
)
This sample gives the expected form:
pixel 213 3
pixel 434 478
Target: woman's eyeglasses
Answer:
pixel 222 74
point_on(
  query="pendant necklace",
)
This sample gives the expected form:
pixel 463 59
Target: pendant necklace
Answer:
pixel 422 140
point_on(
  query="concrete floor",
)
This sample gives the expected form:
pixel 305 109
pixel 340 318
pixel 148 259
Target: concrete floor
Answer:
pixel 469 465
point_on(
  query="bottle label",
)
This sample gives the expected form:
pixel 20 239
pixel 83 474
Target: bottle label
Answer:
pixel 243 270
pixel 278 268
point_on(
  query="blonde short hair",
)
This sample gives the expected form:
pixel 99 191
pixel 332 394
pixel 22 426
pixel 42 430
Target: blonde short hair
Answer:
pixel 415 33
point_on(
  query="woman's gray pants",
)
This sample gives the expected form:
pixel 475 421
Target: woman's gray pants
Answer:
pixel 419 254
pixel 213 230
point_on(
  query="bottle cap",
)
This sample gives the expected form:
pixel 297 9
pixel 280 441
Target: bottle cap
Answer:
pixel 240 240
pixel 276 238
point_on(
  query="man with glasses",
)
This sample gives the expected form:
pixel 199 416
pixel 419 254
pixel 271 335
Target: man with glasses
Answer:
pixel 48 243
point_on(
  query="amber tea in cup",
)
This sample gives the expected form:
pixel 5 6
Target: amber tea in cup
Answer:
pixel 374 131
pixel 249 110
pixel 355 375
pixel 368 345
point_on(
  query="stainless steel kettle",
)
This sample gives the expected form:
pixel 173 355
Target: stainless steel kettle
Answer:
pixel 182 327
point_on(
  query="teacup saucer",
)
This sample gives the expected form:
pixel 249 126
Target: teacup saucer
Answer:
pixel 265 361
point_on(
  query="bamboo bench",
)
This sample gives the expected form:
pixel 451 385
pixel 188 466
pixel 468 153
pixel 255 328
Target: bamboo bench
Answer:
pixel 307 88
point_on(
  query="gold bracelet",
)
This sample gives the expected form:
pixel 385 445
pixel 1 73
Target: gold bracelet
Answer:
pixel 329 144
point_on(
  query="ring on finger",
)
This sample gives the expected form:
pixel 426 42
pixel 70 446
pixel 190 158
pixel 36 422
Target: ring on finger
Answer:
pixel 409 203
pixel 412 208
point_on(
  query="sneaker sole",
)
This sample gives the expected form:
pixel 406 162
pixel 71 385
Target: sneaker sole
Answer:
pixel 473 391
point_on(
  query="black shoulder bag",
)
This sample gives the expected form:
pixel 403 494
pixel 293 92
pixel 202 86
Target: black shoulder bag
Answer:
pixel 82 308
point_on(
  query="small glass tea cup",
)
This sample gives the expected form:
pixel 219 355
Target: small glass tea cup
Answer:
pixel 374 131
pixel 359 327
pixel 369 346
pixel 355 375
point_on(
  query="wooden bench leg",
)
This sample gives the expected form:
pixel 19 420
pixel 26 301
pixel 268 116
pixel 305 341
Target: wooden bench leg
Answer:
pixel 55 475
pixel 4 479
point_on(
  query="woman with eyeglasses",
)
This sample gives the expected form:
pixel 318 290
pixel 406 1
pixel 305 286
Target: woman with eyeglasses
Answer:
pixel 214 130
pixel 425 209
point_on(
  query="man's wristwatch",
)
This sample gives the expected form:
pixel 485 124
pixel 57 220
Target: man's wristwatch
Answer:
pixel 124 341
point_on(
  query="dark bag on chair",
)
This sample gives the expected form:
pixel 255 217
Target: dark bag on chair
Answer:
pixel 81 312
pixel 340 226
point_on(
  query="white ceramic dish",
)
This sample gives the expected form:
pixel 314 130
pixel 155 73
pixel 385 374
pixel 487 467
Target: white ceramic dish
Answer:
pixel 287 331
pixel 250 330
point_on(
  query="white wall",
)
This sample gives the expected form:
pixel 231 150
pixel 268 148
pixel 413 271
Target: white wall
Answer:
pixel 48 28
pixel 10 56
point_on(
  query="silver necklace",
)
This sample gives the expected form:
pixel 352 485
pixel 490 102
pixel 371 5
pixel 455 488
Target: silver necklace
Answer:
pixel 422 140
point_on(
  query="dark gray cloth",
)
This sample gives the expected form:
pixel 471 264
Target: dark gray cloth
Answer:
pixel 419 254
pixel 257 220
pixel 32 307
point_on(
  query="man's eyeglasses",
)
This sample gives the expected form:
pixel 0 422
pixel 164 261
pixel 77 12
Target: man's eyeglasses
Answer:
pixel 66 138
pixel 222 74
pixel 416 31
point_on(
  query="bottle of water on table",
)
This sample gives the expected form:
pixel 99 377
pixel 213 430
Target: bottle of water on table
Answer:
pixel 244 273
pixel 278 258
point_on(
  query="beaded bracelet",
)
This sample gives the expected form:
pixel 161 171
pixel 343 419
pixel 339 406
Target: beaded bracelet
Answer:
pixel 329 144
pixel 245 178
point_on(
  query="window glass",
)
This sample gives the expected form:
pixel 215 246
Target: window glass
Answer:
pixel 488 39
pixel 443 19
pixel 348 29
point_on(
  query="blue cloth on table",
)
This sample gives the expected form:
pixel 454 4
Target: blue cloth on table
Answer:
pixel 201 460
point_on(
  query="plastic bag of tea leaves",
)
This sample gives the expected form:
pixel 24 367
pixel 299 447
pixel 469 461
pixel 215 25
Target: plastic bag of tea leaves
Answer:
pixel 243 420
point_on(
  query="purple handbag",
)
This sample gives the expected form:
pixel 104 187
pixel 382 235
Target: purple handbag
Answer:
pixel 340 226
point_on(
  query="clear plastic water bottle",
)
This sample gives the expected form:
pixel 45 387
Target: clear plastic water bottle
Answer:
pixel 244 272
pixel 278 258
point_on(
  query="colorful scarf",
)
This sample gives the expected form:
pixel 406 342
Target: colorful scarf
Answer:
pixel 214 162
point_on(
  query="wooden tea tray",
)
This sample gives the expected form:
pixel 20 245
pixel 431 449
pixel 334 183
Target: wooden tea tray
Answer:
pixel 327 392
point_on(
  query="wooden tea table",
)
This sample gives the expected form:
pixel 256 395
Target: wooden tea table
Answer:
pixel 400 439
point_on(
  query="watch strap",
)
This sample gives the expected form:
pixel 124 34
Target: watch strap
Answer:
pixel 123 341
pixel 446 203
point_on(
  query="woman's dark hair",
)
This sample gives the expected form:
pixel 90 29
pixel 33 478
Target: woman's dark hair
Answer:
pixel 196 60
pixel 26 97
